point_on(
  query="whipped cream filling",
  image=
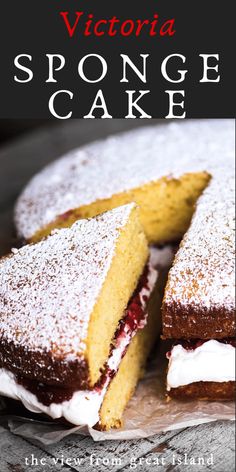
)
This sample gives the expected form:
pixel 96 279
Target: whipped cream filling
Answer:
pixel 84 405
pixel 213 361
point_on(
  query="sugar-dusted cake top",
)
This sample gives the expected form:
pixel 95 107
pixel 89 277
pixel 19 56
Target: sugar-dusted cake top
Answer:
pixel 48 290
pixel 202 279
pixel 122 162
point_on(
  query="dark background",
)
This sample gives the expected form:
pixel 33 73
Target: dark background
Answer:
pixel 14 128
pixel 36 28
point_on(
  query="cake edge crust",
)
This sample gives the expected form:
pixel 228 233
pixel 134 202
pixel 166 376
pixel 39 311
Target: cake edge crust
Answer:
pixel 213 391
pixel 188 321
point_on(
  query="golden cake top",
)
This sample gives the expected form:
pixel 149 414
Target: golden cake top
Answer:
pixel 120 163
pixel 48 290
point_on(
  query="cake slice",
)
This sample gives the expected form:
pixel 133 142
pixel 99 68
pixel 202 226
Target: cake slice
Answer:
pixel 70 310
pixel 199 299
pixel 199 303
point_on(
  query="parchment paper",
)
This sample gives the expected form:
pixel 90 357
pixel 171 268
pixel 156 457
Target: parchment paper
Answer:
pixel 148 413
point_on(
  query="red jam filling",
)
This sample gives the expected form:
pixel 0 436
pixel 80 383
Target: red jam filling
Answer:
pixel 65 216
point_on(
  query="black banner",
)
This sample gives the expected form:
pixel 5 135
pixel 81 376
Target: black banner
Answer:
pixel 93 58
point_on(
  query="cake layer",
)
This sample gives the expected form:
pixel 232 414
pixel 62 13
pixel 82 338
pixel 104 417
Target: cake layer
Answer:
pixel 61 299
pixel 132 367
pixel 133 363
pixel 209 361
pixel 83 406
pixel 214 391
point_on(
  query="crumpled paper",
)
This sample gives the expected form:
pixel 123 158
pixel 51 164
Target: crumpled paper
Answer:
pixel 148 413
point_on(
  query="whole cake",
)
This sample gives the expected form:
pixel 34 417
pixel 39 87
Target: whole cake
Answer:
pixel 78 317
pixel 182 177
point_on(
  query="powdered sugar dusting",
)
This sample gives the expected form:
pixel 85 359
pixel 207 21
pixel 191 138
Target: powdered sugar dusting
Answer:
pixel 48 290
pixel 203 273
pixel 120 163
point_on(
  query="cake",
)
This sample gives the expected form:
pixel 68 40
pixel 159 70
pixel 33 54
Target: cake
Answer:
pixel 199 304
pixel 163 168
pixel 182 177
pixel 78 318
